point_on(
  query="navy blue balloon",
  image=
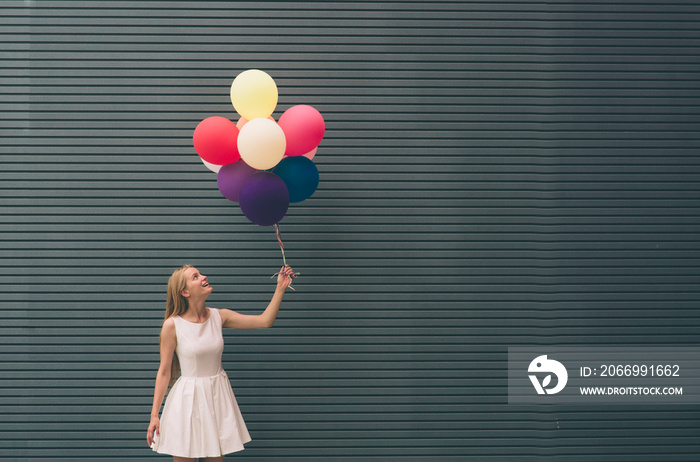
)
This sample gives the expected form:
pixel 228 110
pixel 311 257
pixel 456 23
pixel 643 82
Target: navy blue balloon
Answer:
pixel 300 175
pixel 264 198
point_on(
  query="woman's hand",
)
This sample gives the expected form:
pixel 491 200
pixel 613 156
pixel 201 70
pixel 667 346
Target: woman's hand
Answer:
pixel 284 277
pixel 154 427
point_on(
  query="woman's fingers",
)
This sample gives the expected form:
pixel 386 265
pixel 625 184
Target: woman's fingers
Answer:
pixel 284 276
pixel 153 430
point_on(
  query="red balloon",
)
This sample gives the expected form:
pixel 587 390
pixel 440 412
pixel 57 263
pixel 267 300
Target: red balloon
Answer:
pixel 216 140
pixel 303 127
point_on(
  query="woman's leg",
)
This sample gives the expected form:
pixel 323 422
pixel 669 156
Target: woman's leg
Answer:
pixel 206 459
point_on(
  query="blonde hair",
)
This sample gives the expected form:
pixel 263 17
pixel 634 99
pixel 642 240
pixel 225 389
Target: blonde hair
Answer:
pixel 176 305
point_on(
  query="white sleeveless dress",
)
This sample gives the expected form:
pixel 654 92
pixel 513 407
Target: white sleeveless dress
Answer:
pixel 201 417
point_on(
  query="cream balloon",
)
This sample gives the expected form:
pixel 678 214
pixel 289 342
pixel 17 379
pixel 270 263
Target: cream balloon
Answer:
pixel 261 143
pixel 254 94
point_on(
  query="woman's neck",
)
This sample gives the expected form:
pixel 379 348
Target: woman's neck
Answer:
pixel 196 312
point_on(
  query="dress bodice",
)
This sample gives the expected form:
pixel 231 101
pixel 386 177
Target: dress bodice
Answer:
pixel 199 345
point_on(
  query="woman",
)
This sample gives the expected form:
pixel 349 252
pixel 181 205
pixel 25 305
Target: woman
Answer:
pixel 200 418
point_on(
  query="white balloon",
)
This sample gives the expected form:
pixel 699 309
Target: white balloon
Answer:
pixel 213 167
pixel 261 143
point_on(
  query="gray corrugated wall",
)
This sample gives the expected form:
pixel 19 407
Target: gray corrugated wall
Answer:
pixel 493 174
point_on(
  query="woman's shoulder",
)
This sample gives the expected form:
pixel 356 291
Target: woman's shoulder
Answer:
pixel 215 312
pixel 169 326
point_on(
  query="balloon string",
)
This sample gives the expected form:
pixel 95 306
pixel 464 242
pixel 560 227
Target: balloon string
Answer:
pixel 284 259
pixel 279 239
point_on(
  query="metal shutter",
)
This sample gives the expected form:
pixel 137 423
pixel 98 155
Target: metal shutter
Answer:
pixel 493 174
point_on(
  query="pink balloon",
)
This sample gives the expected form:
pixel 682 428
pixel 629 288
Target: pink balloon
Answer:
pixel 216 140
pixel 303 127
pixel 310 155
pixel 242 121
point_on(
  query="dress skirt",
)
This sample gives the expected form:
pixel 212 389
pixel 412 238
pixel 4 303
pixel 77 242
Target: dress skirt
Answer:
pixel 201 418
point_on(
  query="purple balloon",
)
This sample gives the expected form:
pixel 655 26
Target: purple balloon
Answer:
pixel 231 177
pixel 264 198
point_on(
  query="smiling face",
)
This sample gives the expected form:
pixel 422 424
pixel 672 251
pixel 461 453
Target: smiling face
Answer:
pixel 197 284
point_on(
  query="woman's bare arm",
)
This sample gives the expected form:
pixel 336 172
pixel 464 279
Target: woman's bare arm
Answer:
pixel 168 341
pixel 237 320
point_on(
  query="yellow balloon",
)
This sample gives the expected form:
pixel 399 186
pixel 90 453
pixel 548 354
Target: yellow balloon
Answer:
pixel 254 94
pixel 261 143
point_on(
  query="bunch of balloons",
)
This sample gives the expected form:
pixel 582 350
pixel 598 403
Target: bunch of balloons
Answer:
pixel 261 164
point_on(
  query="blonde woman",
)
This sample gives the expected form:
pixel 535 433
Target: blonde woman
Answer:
pixel 201 418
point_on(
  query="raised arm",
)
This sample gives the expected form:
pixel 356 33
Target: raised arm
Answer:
pixel 168 341
pixel 267 318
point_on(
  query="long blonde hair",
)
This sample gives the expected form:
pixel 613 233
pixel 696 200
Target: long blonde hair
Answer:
pixel 176 305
